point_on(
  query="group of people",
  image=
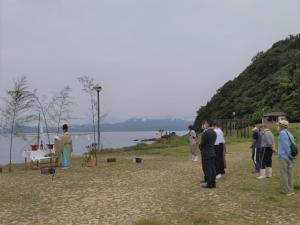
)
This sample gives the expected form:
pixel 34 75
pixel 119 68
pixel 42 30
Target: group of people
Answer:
pixel 212 148
pixel 263 147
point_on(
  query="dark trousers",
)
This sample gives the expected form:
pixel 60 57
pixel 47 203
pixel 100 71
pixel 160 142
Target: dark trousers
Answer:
pixel 202 163
pixel 209 166
pixel 256 158
pixel 266 157
pixel 220 159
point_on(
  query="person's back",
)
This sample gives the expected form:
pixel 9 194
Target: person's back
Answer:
pixel 267 148
pixel 208 139
pixel 267 139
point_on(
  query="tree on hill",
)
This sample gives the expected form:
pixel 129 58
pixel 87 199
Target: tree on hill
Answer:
pixel 270 83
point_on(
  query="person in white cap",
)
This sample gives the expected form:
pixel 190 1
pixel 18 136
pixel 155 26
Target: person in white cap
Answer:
pixel 285 158
pixel 267 149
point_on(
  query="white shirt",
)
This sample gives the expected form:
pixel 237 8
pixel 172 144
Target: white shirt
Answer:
pixel 222 139
pixel 220 136
pixel 192 137
pixel 217 142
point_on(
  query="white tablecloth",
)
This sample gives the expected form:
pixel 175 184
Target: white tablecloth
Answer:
pixel 37 155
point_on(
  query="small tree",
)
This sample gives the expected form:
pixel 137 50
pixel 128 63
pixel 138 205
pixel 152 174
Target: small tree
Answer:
pixel 88 85
pixel 42 105
pixel 60 107
pixel 19 102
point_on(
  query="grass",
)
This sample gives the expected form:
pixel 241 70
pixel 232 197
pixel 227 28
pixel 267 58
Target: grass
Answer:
pixel 148 222
pixel 160 144
pixel 164 190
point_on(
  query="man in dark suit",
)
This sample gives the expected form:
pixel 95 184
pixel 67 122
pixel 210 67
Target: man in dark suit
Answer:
pixel 206 146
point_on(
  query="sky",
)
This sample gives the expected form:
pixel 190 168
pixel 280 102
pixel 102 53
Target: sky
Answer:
pixel 153 58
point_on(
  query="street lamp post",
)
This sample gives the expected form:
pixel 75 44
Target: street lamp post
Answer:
pixel 98 88
pixel 234 122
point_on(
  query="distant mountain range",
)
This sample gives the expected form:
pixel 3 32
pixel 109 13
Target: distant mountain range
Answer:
pixel 138 124
pixel 133 124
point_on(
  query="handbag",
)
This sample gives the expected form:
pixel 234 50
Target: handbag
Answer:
pixel 294 149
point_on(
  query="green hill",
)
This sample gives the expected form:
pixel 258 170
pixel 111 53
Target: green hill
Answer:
pixel 270 83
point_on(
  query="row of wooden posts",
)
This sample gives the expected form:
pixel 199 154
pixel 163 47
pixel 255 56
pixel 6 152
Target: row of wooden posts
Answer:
pixel 236 127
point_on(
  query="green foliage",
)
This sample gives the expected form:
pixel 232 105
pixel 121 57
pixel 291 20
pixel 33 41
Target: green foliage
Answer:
pixel 16 112
pixel 160 144
pixel 270 83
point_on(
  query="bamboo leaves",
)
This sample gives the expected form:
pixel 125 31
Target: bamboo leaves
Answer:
pixel 18 104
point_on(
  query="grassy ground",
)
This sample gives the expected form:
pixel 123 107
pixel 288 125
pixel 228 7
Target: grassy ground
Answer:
pixel 164 190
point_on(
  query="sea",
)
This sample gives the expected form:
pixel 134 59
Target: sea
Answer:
pixel 109 140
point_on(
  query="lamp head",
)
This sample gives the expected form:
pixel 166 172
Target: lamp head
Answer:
pixel 97 88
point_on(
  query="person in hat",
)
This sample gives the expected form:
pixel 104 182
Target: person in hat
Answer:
pixel 193 143
pixel 285 158
pixel 267 149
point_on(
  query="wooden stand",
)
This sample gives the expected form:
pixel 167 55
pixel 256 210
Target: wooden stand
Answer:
pixel 89 161
pixel 35 165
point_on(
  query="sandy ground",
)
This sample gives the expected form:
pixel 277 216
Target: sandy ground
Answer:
pixel 166 186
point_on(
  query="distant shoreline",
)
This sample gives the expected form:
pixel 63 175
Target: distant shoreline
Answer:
pixel 90 132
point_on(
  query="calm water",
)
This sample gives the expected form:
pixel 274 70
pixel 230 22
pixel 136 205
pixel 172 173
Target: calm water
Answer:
pixel 80 141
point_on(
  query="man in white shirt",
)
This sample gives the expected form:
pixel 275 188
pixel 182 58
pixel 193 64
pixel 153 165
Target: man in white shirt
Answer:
pixel 193 143
pixel 219 149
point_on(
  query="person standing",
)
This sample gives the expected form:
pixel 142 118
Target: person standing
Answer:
pixel 285 158
pixel 256 142
pixel 267 149
pixel 206 146
pixel 223 151
pixel 193 143
pixel 219 149
pixel 65 147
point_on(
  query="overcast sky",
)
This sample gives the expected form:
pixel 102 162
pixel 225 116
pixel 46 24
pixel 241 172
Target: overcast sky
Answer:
pixel 153 57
